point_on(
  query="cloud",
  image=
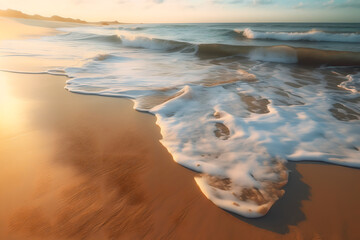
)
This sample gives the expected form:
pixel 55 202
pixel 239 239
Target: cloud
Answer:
pixel 245 2
pixel 77 2
pixel 262 2
pixel 349 4
pixel 139 2
pixel 346 4
pixel 331 2
pixel 227 1
pixel 299 5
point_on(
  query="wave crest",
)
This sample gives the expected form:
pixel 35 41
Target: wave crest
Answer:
pixel 312 35
pixel 148 42
pixel 282 54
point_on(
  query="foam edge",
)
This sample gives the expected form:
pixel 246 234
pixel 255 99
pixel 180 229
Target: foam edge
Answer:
pixel 227 200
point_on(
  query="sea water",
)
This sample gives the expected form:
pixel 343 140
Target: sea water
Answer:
pixel 234 101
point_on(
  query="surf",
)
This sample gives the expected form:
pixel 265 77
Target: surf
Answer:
pixel 311 35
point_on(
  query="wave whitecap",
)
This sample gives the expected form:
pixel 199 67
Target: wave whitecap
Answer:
pixel 312 35
pixel 278 54
pixel 282 54
pixel 149 42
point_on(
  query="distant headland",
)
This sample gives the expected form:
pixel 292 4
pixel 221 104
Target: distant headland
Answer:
pixel 18 14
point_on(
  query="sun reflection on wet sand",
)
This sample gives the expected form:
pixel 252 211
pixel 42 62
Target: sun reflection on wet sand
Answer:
pixel 67 171
pixel 87 167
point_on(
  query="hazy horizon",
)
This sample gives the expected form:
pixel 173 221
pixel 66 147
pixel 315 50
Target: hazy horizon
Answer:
pixel 198 11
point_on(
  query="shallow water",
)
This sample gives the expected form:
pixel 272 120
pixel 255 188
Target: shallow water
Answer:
pixel 233 101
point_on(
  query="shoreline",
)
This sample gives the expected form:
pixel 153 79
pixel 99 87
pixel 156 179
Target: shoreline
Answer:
pixel 153 192
pixel 83 166
pixel 12 30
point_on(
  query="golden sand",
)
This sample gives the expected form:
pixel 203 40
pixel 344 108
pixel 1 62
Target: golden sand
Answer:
pixel 10 29
pixel 87 167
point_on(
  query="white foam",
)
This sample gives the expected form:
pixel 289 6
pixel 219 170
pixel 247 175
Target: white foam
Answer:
pixel 352 83
pixel 304 131
pixel 147 41
pixel 312 35
pixel 137 40
pixel 255 116
pixel 226 200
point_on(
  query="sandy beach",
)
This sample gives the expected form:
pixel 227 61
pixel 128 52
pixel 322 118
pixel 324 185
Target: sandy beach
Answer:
pixel 10 29
pixel 77 166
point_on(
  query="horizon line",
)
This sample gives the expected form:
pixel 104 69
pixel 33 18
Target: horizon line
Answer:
pixel 207 22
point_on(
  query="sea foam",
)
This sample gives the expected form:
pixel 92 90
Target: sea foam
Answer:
pixel 312 35
pixel 235 114
pixel 352 83
pixel 239 134
pixel 150 42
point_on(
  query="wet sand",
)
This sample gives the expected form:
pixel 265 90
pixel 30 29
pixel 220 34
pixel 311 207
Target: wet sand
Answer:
pixel 87 167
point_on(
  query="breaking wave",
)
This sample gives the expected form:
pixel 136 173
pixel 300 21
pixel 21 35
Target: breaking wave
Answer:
pixel 149 42
pixel 312 35
pixel 223 111
pixel 278 54
pixel 282 54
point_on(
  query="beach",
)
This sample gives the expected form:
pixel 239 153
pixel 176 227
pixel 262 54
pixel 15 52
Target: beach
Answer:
pixel 76 166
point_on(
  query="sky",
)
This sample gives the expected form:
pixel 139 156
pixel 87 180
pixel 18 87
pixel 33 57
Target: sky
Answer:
pixel 154 11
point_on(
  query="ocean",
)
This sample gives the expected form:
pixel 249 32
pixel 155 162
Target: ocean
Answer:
pixel 234 101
